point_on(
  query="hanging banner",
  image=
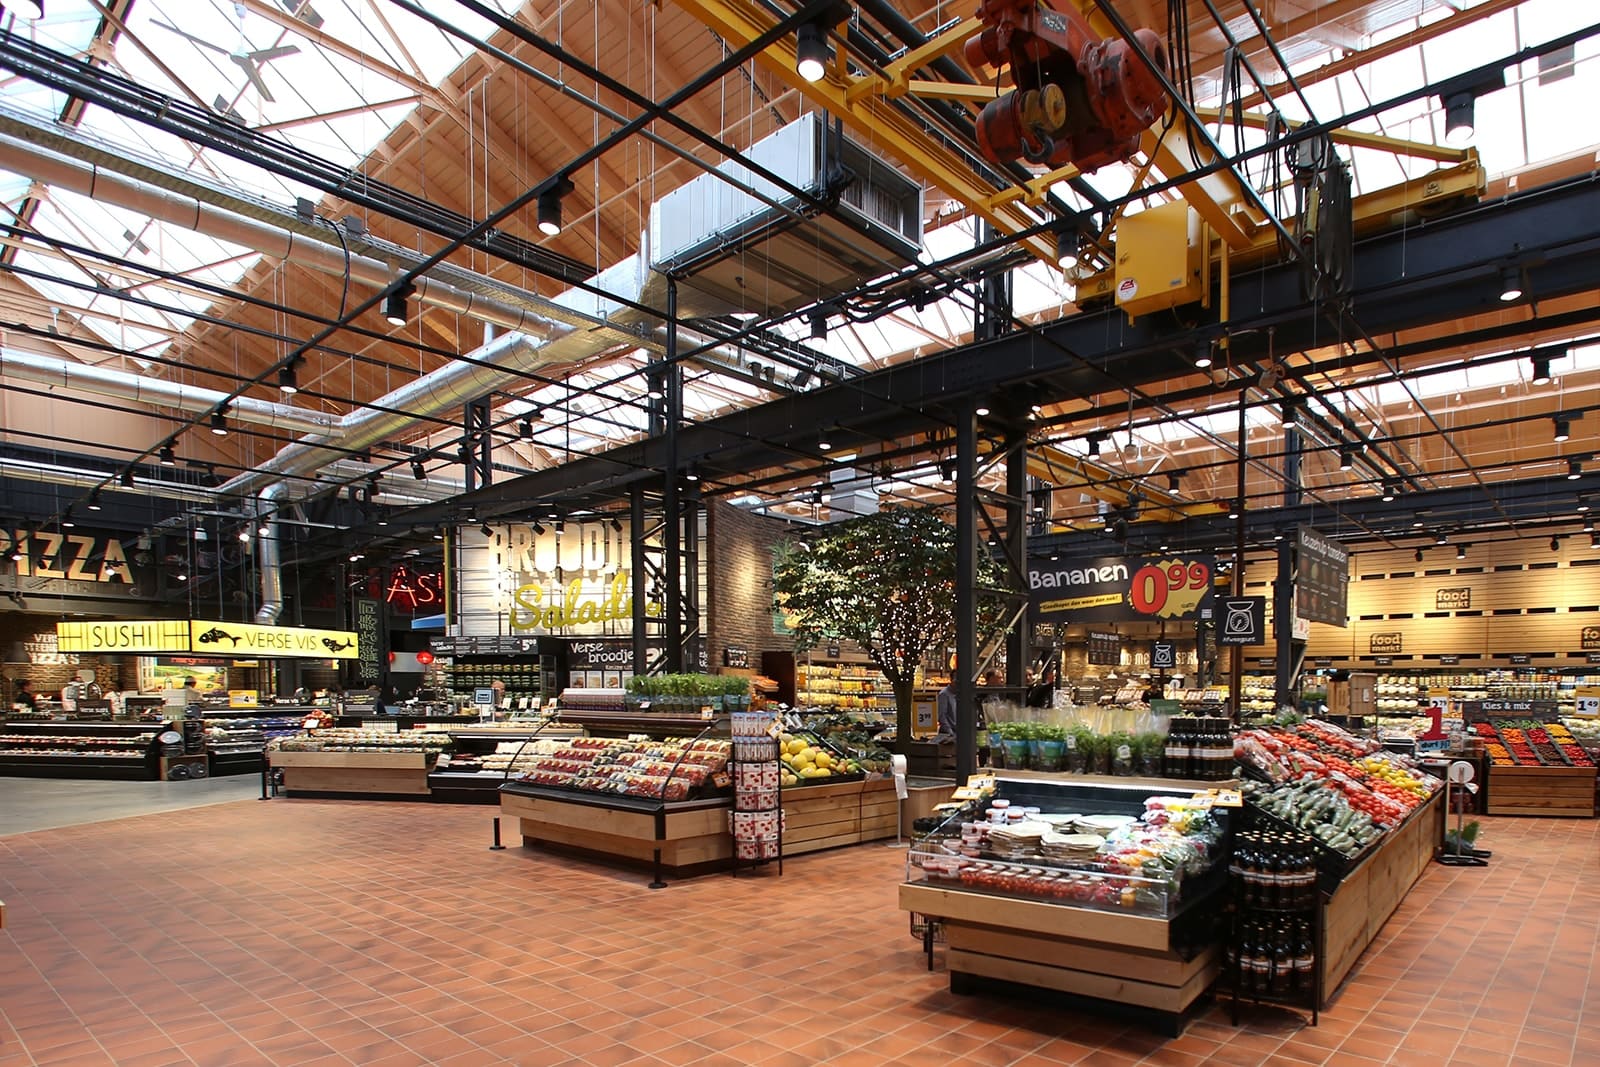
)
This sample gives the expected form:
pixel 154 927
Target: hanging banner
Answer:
pixel 369 631
pixel 1322 577
pixel 1121 588
pixel 200 635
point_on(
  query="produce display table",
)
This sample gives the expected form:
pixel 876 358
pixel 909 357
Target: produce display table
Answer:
pixel 1370 892
pixel 357 773
pixel 838 813
pixel 683 836
pixel 1552 791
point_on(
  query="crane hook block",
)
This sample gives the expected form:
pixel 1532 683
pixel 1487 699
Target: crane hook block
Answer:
pixel 1078 98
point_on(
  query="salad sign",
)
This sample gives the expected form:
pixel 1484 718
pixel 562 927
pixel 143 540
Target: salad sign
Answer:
pixel 1121 589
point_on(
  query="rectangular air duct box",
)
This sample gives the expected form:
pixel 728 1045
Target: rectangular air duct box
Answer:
pixel 739 253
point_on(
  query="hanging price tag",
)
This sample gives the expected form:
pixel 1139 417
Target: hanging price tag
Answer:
pixel 1588 703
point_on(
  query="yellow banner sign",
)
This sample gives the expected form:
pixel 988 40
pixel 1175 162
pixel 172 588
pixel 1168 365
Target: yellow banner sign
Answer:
pixel 250 639
pixel 199 635
pixel 136 635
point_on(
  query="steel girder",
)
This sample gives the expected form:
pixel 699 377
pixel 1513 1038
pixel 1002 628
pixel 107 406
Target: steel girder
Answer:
pixel 1432 273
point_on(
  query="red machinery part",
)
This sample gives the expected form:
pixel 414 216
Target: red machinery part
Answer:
pixel 1078 99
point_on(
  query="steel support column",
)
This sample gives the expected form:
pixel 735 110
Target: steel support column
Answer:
pixel 477 443
pixel 966 606
pixel 641 619
pixel 1283 623
pixel 1018 645
pixel 671 516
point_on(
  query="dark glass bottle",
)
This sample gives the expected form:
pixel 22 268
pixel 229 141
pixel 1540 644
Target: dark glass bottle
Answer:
pixel 1282 961
pixel 1305 960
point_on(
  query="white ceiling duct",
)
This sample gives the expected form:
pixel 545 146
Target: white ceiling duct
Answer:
pixel 77 478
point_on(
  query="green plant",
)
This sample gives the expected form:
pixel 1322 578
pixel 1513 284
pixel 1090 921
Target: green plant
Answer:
pixel 887 582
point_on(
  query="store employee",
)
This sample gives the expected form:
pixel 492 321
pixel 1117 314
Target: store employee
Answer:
pixel 25 696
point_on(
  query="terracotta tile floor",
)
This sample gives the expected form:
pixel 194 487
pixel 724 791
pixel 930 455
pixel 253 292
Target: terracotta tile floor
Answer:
pixel 305 933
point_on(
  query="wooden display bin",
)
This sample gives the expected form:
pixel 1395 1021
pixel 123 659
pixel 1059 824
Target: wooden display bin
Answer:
pixel 1370 893
pixel 838 813
pixel 1554 791
pixel 1126 959
pixel 692 834
pixel 355 773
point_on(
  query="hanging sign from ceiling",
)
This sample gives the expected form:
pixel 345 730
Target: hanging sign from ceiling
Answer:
pixel 1322 577
pixel 1121 588
pixel 202 635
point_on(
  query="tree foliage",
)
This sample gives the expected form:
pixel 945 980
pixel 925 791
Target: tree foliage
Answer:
pixel 885 581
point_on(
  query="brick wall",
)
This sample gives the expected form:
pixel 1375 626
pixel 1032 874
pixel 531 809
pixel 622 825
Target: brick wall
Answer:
pixel 112 672
pixel 739 582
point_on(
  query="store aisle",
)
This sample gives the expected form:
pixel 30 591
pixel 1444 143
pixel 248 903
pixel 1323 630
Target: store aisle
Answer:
pixel 49 803
pixel 298 932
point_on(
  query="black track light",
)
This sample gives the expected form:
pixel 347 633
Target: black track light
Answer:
pixel 947 471
pixel 1441 538
pixel 1555 544
pixel 1174 482
pixel 1347 459
pixel 819 324
pixel 67 521
pixel 1588 525
pixel 1390 491
pixel 396 309
pixel 488 531
pixel 539 528
pixel 418 470
pixel 1458 117
pixel 287 383
pixel 1574 469
pixel 691 475
pixel 1510 283
pixel 1417 555
pixel 126 478
pixel 525 429
pixel 1202 354
pixel 1069 245
pixel 169 455
pixel 811 50
pixel 1286 418
pixel 1094 445
pixel 1233 509
pixel 1461 551
pixel 652 386
pixel 219 424
pixel 1541 370
pixel 823 442
pixel 94 500
pixel 1594 540
pixel 549 205
pixel 1563 429
pixel 616 525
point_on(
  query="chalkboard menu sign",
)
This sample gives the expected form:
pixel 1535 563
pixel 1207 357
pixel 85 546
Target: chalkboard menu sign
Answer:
pixel 1322 577
pixel 1105 650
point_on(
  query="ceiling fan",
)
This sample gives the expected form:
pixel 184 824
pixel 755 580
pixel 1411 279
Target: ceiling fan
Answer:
pixel 250 61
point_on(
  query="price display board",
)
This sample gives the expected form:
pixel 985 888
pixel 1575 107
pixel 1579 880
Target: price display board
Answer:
pixel 1120 588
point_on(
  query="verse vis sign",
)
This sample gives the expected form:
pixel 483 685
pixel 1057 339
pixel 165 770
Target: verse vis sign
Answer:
pixel 200 635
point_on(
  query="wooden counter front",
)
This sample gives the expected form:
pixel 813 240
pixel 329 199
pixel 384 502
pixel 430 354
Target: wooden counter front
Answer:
pixel 837 813
pixel 1551 791
pixel 692 833
pixel 356 773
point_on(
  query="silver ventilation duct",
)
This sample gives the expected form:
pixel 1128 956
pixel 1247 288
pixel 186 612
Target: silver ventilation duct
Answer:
pixel 78 478
pixel 268 556
pixel 105 381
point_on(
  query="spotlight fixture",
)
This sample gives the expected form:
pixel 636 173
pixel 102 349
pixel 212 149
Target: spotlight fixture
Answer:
pixel 356 557
pixel 418 471
pixel 1461 551
pixel 94 500
pixel 1277 534
pixel 549 206
pixel 811 51
pixel 652 386
pixel 539 528
pixel 1541 370
pixel 1174 483
pixel 1286 418
pixel 1555 544
pixel 383 519
pixel 1441 538
pixel 616 525
pixel 1390 491
pixel 561 526
pixel 525 429
pixel 1458 118
pixel 1594 540
pixel 819 324
pixel 396 311
pixel 67 521
pixel 126 478
pixel 1574 469
pixel 823 443
pixel 182 576
pixel 1563 429
pixel 982 410
pixel 1583 505
pixel 1069 244
pixel 1588 526
pixel 1417 555
pixel 1233 509
pixel 1202 354
pixel 169 456
pixel 488 531
pixel 287 383
pixel 1347 459
pixel 691 475
pixel 244 536
pixel 947 471
pixel 264 530
pixel 219 423
pixel 1094 444
pixel 1510 283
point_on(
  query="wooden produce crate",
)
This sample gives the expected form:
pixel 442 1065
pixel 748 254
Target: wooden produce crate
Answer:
pixel 355 773
pixel 1554 791
pixel 837 813
pixel 690 834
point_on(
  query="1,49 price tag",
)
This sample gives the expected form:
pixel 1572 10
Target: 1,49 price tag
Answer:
pixel 1588 703
pixel 1168 588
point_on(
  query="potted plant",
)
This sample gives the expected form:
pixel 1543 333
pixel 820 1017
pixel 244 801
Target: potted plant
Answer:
pixel 1052 745
pixel 1149 748
pixel 1078 748
pixel 1119 749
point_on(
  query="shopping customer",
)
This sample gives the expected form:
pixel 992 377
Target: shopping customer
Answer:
pixel 25 696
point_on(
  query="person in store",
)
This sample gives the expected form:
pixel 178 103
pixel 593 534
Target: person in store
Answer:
pixel 499 687
pixel 946 704
pixel 25 696
pixel 1042 691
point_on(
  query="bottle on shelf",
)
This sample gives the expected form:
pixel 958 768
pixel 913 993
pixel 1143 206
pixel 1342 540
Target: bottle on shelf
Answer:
pixel 1304 958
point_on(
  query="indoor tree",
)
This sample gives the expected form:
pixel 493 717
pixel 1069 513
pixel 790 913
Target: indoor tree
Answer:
pixel 887 582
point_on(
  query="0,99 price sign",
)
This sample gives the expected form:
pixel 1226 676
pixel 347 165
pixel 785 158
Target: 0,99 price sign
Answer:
pixel 1120 588
pixel 1170 588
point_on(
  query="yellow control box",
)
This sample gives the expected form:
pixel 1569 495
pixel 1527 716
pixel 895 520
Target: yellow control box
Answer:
pixel 1158 259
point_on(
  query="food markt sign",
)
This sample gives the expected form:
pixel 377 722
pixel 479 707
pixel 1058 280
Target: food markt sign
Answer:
pixel 201 635
pixel 1120 588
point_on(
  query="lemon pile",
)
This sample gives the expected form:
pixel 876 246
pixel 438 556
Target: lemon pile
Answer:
pixel 803 761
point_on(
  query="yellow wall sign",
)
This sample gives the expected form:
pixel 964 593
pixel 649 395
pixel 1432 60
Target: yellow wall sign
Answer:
pixel 244 698
pixel 136 635
pixel 203 636
pixel 250 639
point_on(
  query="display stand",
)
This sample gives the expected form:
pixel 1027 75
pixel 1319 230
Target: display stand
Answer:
pixel 1291 918
pixel 1459 779
pixel 358 773
pixel 756 820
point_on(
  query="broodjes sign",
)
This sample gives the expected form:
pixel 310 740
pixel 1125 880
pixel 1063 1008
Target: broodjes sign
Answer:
pixel 571 578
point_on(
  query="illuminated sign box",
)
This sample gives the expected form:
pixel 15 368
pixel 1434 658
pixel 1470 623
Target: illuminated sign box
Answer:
pixel 203 636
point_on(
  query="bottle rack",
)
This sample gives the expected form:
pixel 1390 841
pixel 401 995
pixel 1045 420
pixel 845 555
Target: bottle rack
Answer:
pixel 1280 896
pixel 756 821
